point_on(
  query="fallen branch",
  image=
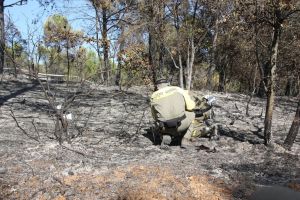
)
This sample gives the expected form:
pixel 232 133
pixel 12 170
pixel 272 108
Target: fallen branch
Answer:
pixel 35 128
pixel 38 191
pixel 32 171
pixel 18 125
pixel 75 151
pixel 140 122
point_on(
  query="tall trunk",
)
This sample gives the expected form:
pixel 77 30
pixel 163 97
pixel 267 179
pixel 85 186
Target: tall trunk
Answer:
pixel 297 87
pixel 190 63
pixel 119 65
pixel 268 117
pixel 180 72
pixel 186 72
pixel 13 57
pixel 263 80
pixel 261 89
pixel 271 72
pixel 294 130
pixel 152 56
pixel 222 80
pixel 97 41
pixel 118 75
pixel 68 63
pixel 262 69
pixel 160 36
pixel 253 91
pixel 288 87
pixel 2 40
pixel 213 60
pixel 154 42
pixel 105 45
pixel 176 23
pixel 191 54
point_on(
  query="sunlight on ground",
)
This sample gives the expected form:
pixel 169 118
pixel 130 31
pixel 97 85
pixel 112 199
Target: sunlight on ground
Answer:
pixel 125 183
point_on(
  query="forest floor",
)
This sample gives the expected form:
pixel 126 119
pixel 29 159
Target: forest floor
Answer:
pixel 116 156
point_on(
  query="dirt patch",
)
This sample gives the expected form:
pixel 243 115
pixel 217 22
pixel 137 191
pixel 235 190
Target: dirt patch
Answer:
pixel 131 182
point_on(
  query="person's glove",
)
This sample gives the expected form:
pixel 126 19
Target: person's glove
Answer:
pixel 210 99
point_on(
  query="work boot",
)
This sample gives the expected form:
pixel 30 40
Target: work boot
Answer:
pixel 166 140
pixel 186 143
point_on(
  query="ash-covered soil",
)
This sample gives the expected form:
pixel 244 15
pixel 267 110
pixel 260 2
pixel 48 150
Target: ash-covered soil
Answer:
pixel 116 156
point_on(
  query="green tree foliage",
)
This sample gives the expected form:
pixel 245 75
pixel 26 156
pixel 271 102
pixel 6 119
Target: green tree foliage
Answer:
pixel 58 34
pixel 91 64
pixel 14 46
pixel 86 64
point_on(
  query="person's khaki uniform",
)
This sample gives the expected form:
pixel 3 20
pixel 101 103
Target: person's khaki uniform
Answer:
pixel 169 103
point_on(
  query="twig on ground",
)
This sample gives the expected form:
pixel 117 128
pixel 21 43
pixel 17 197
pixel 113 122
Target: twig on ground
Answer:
pixel 58 180
pixel 140 122
pixel 81 130
pixel 237 107
pixel 18 125
pixel 78 152
pixel 32 171
pixel 36 192
pixel 35 128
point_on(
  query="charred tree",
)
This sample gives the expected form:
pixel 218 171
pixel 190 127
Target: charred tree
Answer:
pixel 294 130
pixel 2 41
pixel 105 45
pixel 271 74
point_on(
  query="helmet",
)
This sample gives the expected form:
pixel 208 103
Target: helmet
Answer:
pixel 161 81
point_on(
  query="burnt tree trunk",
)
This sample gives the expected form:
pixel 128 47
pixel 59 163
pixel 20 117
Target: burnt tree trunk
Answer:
pixel 178 48
pixel 294 130
pixel 2 41
pixel 222 80
pixel 13 58
pixel 152 52
pixel 271 75
pixel 213 59
pixel 261 89
pixel 155 28
pixel 119 65
pixel 105 45
pixel 97 39
pixel 180 72
pixel 191 51
pixel 288 87
pixel 68 62
pixel 190 63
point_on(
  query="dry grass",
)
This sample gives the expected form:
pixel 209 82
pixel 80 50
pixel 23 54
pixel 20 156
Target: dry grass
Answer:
pixel 127 183
pixel 149 183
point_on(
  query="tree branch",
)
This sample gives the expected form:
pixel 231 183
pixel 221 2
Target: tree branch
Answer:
pixel 290 13
pixel 19 3
pixel 18 125
pixel 174 62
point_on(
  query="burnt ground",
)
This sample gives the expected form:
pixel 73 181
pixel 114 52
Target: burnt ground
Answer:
pixel 116 157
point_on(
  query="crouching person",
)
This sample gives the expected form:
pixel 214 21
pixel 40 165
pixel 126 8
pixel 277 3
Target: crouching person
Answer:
pixel 178 115
pixel 173 111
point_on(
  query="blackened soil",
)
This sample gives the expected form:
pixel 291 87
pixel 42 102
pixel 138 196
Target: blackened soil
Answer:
pixel 114 155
